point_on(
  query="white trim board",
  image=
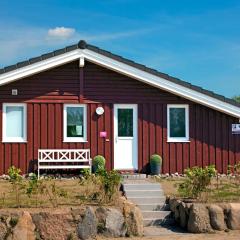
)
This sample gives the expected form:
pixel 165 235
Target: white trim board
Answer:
pixel 125 69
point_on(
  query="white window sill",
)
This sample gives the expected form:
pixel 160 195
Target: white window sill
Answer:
pixel 75 141
pixel 12 141
pixel 178 141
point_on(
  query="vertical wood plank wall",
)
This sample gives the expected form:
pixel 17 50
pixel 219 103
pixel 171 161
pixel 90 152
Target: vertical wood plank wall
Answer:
pixel 211 140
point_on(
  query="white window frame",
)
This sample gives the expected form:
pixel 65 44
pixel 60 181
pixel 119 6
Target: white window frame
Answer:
pixel 4 121
pixel 178 139
pixel 75 139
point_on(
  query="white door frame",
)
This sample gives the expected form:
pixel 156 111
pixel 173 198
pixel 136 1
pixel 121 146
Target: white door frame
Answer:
pixel 134 164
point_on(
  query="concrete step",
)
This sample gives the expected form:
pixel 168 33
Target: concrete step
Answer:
pixel 147 200
pixel 143 193
pixel 152 207
pixel 134 176
pixel 141 187
pixel 155 214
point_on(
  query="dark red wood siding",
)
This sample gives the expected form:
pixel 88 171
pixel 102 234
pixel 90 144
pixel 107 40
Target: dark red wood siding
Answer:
pixel 211 141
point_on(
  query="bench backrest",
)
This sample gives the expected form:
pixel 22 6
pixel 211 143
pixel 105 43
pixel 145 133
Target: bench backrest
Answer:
pixel 45 155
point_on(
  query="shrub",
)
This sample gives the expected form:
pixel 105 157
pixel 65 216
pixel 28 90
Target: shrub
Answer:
pixel 155 159
pixel 98 163
pixel 155 164
pixel 197 180
pixel 110 183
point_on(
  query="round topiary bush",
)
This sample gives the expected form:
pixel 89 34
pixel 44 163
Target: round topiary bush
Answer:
pixel 155 164
pixel 98 163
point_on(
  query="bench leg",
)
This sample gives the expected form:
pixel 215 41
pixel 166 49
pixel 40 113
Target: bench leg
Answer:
pixel 38 173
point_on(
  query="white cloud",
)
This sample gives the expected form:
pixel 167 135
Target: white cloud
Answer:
pixel 61 32
pixel 20 42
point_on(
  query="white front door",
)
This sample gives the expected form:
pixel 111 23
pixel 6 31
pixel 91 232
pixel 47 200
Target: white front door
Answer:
pixel 125 137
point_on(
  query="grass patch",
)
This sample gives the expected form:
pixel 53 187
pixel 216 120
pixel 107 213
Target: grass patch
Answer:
pixel 70 193
pixel 226 189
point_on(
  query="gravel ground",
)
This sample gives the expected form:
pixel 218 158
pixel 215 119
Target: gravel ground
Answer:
pixel 232 235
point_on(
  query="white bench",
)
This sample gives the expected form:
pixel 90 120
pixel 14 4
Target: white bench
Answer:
pixel 64 159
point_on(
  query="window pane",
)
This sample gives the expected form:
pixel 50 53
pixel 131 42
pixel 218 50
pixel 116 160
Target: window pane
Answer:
pixel 14 121
pixel 177 122
pixel 75 122
pixel 125 122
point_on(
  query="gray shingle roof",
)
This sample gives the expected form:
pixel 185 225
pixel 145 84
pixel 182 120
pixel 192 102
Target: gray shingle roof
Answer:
pixel 83 45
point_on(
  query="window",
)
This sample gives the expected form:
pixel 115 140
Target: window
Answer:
pixel 125 122
pixel 14 122
pixel 178 123
pixel 75 123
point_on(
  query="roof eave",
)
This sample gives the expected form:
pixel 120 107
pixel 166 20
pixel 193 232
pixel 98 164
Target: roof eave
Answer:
pixel 117 64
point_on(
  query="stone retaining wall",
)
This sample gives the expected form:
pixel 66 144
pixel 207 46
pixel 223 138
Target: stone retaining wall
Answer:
pixel 72 223
pixel 206 218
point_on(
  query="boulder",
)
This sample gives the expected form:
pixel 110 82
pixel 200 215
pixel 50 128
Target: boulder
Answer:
pixel 111 222
pixel 199 221
pixel 216 217
pixel 233 220
pixel 87 228
pixel 3 231
pixel 173 204
pixel 24 230
pixel 183 217
pixel 133 218
pixel 174 207
pixel 54 225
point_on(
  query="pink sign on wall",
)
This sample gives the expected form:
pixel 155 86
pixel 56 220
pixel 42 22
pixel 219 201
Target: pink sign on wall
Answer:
pixel 103 134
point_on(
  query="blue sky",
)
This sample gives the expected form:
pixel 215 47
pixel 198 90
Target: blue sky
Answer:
pixel 197 41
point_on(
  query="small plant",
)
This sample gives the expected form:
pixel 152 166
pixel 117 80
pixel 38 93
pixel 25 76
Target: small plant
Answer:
pixel 155 164
pixel 85 173
pixel 197 181
pixel 53 192
pixel 35 187
pixel 16 181
pixel 98 163
pixel 14 174
pixel 110 183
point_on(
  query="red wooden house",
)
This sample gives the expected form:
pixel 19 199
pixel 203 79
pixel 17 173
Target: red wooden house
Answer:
pixel 85 97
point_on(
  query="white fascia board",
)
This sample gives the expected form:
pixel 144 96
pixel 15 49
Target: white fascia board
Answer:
pixel 162 83
pixel 39 67
pixel 125 69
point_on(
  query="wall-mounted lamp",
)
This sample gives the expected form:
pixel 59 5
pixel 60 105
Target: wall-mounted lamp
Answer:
pixel 99 111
